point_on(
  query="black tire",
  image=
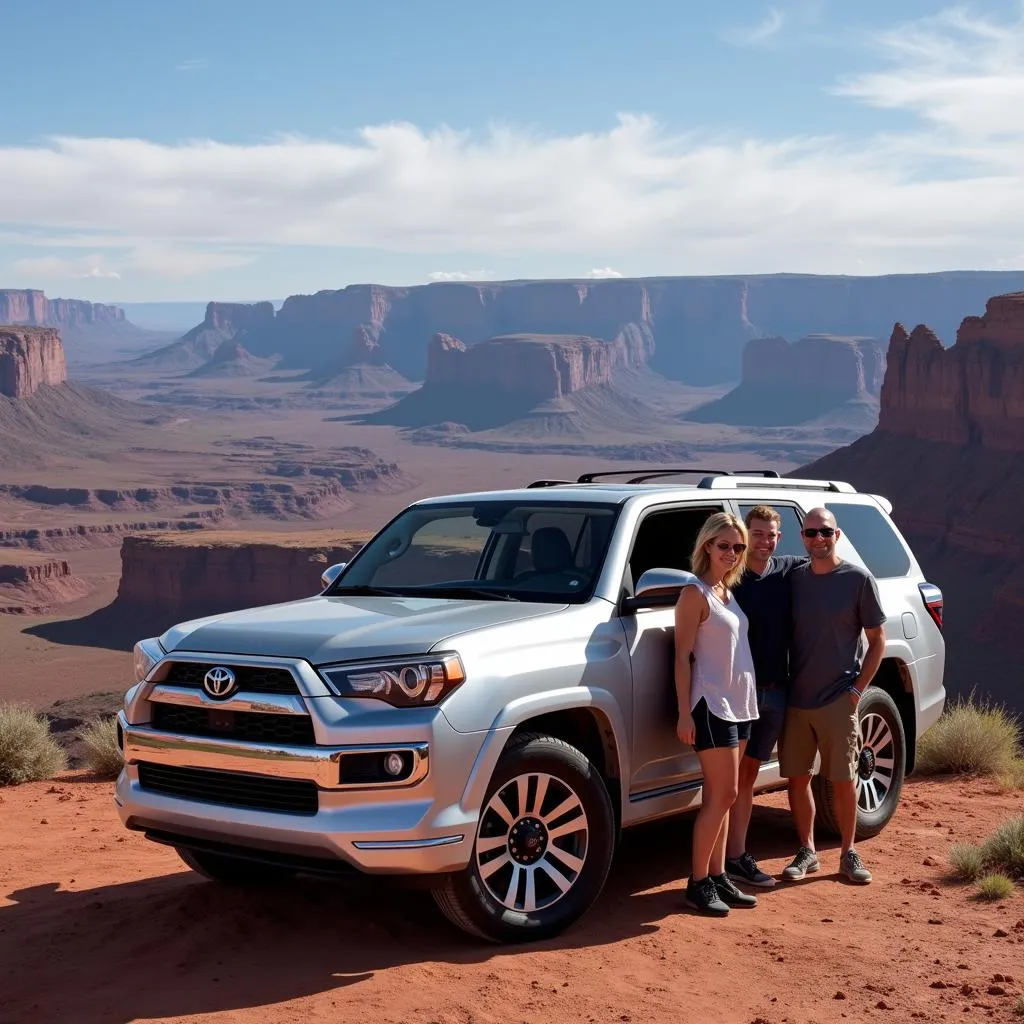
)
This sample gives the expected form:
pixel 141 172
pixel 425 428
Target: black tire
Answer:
pixel 883 743
pixel 468 899
pixel 234 871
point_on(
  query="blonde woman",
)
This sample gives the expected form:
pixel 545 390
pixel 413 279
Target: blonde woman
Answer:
pixel 714 675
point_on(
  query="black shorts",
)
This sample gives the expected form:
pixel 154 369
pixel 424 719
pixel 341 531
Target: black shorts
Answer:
pixel 713 731
pixel 767 729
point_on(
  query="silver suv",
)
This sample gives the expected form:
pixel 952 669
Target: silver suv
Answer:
pixel 484 696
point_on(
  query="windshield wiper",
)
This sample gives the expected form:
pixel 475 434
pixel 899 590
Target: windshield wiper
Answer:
pixel 473 593
pixel 364 590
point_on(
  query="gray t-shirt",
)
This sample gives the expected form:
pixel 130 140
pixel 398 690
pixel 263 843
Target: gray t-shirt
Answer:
pixel 830 610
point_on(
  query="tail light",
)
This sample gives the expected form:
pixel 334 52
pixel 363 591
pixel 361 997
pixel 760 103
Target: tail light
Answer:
pixel 932 597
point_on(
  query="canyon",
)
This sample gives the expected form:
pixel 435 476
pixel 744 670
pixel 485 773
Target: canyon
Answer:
pixel 948 452
pixel 700 324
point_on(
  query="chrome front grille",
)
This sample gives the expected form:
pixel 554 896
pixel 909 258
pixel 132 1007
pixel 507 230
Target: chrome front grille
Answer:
pixel 250 678
pixel 225 723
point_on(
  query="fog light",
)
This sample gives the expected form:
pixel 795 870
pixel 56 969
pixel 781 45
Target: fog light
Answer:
pixel 394 764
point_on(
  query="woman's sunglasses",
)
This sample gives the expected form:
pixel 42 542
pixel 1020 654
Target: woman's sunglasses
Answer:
pixel 825 531
pixel 737 549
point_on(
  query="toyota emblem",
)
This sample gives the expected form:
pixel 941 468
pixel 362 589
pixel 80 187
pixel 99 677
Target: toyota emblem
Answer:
pixel 219 682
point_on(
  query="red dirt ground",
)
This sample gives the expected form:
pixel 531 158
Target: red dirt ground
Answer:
pixel 99 926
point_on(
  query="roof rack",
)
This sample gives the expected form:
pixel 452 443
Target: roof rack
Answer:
pixel 548 483
pixel 639 476
pixel 731 482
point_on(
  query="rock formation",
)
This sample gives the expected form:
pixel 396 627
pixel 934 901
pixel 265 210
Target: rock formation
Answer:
pixel 970 394
pixel 700 324
pixel 949 453
pixel 168 578
pixel 225 321
pixel 30 358
pixel 232 359
pixel 34 585
pixel 821 375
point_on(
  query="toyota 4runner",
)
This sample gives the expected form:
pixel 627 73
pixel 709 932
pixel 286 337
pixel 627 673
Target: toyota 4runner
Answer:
pixel 484 697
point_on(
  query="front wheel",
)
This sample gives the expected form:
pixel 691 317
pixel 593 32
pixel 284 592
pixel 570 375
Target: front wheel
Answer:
pixel 881 765
pixel 543 847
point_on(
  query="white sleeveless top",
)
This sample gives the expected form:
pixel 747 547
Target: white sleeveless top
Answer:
pixel 723 667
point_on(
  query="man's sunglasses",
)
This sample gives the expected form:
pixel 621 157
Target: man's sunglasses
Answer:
pixel 825 531
pixel 737 549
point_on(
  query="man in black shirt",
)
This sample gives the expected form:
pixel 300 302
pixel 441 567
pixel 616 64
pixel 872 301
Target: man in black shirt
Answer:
pixel 764 595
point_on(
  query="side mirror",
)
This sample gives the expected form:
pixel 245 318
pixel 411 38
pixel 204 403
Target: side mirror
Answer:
pixel 331 573
pixel 658 588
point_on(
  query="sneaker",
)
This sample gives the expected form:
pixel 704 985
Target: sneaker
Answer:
pixel 853 867
pixel 804 863
pixel 744 869
pixel 730 895
pixel 703 897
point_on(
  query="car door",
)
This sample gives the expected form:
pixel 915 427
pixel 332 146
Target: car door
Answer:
pixel 664 771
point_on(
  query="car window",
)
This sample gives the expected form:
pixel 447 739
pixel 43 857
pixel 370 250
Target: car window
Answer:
pixel 870 532
pixel 665 539
pixel 790 544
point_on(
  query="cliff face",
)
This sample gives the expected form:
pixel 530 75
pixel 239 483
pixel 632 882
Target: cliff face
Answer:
pixel 949 453
pixel 171 579
pixel 970 394
pixel 534 368
pixel 846 367
pixel 35 586
pixel 32 307
pixel 30 357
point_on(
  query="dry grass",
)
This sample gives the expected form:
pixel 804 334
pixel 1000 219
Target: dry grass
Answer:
pixel 966 861
pixel 28 751
pixel 995 887
pixel 1004 849
pixel 1018 1007
pixel 1012 780
pixel 102 755
pixel 973 737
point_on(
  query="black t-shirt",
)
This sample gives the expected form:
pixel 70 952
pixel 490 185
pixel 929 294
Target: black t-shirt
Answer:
pixel 767 602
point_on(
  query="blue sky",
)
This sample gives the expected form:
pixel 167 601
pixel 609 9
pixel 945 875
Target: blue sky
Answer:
pixel 243 150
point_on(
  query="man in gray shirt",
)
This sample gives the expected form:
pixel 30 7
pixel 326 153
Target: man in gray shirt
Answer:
pixel 835 605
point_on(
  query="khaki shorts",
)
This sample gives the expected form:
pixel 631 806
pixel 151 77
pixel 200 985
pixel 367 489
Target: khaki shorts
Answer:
pixel 833 729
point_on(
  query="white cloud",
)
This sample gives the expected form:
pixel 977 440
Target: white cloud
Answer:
pixel 191 64
pixel 460 275
pixel 757 34
pixel 599 272
pixel 948 191
pixel 57 267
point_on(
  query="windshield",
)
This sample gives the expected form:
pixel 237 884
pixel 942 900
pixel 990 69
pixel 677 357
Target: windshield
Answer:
pixel 490 550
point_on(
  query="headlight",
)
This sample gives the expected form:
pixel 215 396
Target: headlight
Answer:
pixel 147 654
pixel 406 682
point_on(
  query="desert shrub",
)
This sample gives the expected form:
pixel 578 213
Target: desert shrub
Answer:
pixel 995 887
pixel 1004 849
pixel 28 751
pixel 102 755
pixel 966 861
pixel 1012 780
pixel 1018 1007
pixel 972 737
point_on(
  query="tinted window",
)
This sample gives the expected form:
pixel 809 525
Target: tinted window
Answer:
pixel 870 533
pixel 665 539
pixel 791 544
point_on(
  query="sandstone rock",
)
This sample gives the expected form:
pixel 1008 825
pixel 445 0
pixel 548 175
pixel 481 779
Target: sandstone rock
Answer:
pixel 30 357
pixel 971 394
pixel 35 584
pixel 232 359
pixel 845 366
pixel 364 349
pixel 31 307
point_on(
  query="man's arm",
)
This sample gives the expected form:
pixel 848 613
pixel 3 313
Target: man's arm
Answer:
pixel 872 657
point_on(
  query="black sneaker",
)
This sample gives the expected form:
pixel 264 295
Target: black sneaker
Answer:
pixel 744 869
pixel 804 863
pixel 730 895
pixel 703 897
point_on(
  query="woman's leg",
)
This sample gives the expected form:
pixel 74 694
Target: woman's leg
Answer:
pixel 720 766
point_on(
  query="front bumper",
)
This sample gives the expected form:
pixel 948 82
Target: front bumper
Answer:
pixel 424 824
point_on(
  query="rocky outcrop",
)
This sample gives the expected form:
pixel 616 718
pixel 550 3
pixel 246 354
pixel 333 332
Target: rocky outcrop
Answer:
pixel 232 359
pixel 224 322
pixel 970 394
pixel 700 323
pixel 949 453
pixel 364 349
pixel 30 358
pixel 174 578
pixel 101 535
pixel 35 587
pixel 32 307
pixel 821 378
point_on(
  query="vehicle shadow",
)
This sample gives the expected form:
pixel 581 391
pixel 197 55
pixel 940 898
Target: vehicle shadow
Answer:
pixel 177 945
